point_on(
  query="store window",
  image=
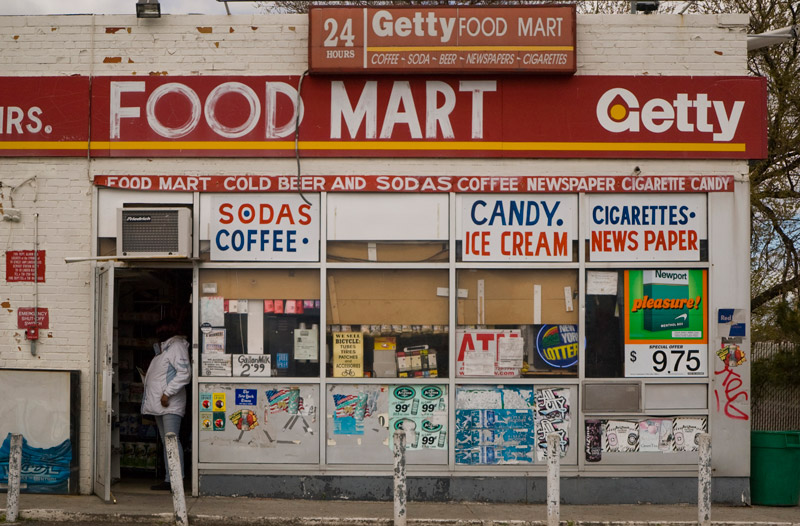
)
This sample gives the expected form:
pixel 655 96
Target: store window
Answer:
pixel 259 323
pixel 646 323
pixel 517 322
pixel 387 323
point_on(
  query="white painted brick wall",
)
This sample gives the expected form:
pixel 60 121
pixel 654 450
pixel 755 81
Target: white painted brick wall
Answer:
pixel 258 45
pixel 61 195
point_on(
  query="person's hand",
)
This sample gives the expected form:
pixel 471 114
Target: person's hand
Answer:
pixel 164 400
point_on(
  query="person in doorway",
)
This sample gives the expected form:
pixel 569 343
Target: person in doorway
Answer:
pixel 164 387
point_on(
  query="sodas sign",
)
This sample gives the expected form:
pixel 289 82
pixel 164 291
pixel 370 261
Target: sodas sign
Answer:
pixel 518 228
pixel 265 227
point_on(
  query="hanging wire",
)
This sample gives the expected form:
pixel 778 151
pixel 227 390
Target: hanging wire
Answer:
pixel 297 135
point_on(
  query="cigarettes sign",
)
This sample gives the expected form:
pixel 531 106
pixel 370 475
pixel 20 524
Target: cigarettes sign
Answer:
pixel 442 39
pixel 666 323
pixel 646 228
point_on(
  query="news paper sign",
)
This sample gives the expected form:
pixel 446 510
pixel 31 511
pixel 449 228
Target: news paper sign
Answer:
pixel 664 227
pixel 522 227
pixel 264 227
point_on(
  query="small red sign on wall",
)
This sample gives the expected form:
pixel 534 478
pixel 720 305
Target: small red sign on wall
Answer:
pixel 20 266
pixel 26 318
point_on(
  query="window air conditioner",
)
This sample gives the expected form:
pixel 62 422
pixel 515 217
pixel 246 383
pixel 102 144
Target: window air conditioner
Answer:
pixel 154 232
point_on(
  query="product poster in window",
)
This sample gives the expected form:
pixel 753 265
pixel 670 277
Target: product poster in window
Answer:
pixel 264 227
pixel 666 323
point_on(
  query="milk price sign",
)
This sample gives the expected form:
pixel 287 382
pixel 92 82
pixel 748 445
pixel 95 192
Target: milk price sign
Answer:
pixel 264 227
pixel 524 227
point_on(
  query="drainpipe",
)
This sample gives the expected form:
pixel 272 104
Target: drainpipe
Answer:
pixel 35 282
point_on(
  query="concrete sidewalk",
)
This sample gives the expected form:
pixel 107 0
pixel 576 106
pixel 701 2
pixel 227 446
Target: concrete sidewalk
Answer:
pixel 144 506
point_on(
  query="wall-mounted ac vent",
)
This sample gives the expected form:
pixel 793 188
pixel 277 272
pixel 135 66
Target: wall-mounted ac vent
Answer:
pixel 153 232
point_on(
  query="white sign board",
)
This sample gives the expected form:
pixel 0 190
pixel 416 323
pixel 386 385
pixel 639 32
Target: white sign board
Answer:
pixel 264 227
pixel 215 364
pixel 666 360
pixel 522 227
pixel 251 365
pixel 663 227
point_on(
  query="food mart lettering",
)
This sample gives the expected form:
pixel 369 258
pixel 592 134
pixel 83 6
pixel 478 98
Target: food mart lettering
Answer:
pixel 400 109
pixel 418 183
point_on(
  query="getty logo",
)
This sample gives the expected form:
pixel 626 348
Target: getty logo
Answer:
pixel 619 110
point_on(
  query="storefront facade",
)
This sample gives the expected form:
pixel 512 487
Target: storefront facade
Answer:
pixel 485 257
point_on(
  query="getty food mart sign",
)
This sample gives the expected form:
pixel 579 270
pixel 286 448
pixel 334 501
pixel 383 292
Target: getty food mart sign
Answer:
pixel 533 39
pixel 450 117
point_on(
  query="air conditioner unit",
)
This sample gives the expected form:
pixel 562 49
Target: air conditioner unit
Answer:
pixel 153 232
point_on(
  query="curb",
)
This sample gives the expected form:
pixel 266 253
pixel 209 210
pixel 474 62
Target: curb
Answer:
pixel 46 515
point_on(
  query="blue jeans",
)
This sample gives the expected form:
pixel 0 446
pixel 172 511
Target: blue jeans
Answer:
pixel 170 424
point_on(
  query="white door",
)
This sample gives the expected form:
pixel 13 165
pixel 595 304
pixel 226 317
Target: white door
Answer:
pixel 103 378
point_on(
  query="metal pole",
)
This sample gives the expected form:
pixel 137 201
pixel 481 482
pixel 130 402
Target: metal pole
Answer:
pixel 704 481
pixel 553 474
pixel 176 479
pixel 14 477
pixel 400 488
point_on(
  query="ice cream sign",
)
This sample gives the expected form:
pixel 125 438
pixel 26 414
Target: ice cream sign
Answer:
pixel 646 228
pixel 522 227
pixel 264 227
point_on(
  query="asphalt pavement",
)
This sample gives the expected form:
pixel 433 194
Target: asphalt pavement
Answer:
pixel 138 504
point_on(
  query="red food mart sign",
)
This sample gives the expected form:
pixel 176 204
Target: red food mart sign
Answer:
pixel 44 116
pixel 480 117
pixel 445 117
pixel 533 39
pixel 420 183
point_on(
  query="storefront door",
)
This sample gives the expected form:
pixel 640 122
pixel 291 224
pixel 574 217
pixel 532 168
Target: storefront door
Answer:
pixel 103 378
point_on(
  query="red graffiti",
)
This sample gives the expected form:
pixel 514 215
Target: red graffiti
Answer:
pixel 733 390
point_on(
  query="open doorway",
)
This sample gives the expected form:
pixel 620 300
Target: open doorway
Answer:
pixel 144 297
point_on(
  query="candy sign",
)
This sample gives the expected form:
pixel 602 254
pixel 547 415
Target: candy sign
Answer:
pixel 646 228
pixel 520 228
pixel 265 227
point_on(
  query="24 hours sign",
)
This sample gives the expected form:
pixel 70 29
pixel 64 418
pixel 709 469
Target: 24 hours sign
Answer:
pixel 666 323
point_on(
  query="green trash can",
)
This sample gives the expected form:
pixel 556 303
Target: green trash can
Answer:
pixel 775 468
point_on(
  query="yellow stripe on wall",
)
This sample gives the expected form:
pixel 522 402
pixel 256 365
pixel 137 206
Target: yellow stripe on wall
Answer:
pixel 380 146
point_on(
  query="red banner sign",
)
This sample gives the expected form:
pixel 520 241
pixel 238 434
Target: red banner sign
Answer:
pixel 44 116
pixel 20 266
pixel 421 183
pixel 510 117
pixel 534 39
pixel 27 318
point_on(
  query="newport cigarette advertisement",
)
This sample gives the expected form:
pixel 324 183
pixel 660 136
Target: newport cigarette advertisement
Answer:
pixel 666 323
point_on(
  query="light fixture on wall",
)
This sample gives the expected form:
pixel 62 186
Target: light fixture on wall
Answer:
pixel 148 9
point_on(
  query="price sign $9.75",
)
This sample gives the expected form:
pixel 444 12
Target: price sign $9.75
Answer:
pixel 666 360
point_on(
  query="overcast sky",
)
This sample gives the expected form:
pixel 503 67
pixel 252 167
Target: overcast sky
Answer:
pixel 61 7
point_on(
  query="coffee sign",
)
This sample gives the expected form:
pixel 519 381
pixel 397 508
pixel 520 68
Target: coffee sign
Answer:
pixel 442 39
